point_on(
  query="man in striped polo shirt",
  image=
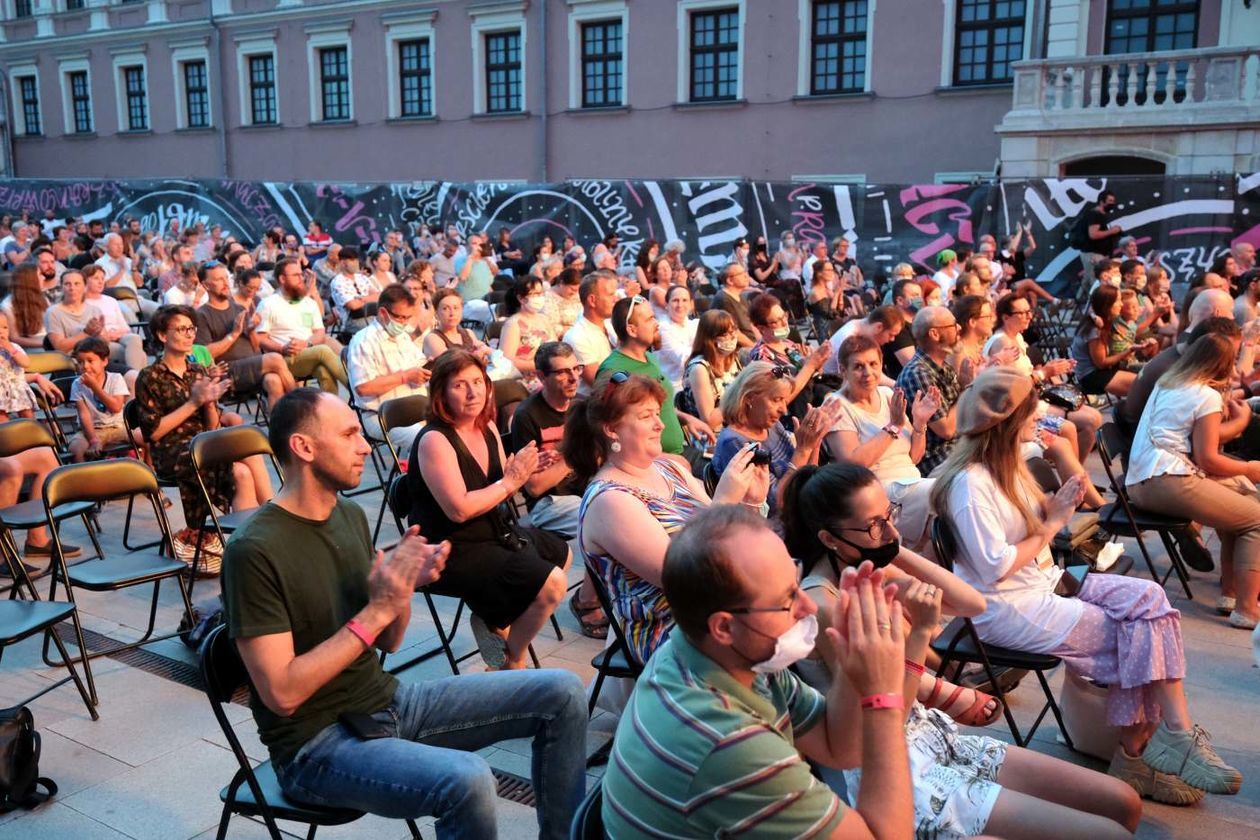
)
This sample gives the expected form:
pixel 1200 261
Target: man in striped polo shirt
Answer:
pixel 715 737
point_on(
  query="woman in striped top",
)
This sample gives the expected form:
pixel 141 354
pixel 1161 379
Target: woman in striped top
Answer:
pixel 637 497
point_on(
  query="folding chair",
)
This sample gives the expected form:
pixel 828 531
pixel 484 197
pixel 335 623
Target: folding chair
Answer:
pixel 615 660
pixel 61 370
pixel 588 822
pixel 378 463
pixel 131 422
pixel 127 295
pixel 255 791
pixel 218 448
pixel 21 619
pixel 396 414
pixel 19 436
pixel 1125 519
pixel 960 643
pixel 98 482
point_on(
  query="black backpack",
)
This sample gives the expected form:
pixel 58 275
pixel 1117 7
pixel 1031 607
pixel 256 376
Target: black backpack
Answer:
pixel 20 781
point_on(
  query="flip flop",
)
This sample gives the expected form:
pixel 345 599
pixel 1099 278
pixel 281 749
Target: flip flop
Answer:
pixel 592 629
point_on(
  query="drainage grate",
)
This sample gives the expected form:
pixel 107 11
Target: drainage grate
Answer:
pixel 510 786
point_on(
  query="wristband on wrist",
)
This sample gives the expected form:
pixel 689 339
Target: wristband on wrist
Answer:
pixel 914 667
pixel 883 701
pixel 359 630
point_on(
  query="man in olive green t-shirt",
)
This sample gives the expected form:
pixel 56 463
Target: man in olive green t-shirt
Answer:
pixel 310 607
pixel 637 331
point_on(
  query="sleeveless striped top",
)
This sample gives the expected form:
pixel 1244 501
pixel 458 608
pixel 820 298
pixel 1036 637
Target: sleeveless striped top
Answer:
pixel 639 605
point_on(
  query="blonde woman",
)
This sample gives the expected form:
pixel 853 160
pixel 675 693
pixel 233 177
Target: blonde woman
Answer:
pixel 1117 631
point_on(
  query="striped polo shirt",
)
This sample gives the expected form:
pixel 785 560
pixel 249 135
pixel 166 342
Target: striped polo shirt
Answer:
pixel 697 754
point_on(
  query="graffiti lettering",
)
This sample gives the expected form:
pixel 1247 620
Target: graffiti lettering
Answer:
pixel 1068 196
pixel 727 213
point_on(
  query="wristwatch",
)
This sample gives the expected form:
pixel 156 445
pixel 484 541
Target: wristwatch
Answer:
pixel 892 430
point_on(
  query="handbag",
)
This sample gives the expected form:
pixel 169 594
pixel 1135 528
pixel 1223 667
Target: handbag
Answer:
pixel 1062 395
pixel 20 781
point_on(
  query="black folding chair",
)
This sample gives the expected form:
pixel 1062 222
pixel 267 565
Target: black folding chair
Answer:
pixel 1125 519
pixel 396 414
pixel 255 791
pixel 131 422
pixel 99 482
pixel 60 369
pixel 375 442
pixel 960 643
pixel 588 822
pixel 615 660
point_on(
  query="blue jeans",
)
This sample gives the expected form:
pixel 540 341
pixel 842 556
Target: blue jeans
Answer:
pixel 429 767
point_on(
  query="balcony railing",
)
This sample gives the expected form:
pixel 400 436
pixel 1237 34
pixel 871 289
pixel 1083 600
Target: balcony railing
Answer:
pixel 1138 88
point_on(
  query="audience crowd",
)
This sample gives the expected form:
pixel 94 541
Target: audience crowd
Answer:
pixel 782 480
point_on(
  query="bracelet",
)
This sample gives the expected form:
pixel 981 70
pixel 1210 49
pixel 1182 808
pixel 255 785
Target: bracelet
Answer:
pixel 914 431
pixel 883 701
pixel 362 632
pixel 914 667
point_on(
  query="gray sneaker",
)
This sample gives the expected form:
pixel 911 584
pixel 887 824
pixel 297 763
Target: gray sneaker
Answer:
pixel 1188 754
pixel 1150 783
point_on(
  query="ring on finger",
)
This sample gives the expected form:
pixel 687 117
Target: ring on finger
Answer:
pixel 884 625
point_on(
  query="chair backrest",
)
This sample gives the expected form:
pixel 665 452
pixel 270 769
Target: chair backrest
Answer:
pixel 710 478
pixel 228 445
pixel 1114 443
pixel 22 434
pixel 99 481
pixel 944 544
pixel 1044 475
pixel 494 330
pixel 399 500
pixel 221 666
pixel 588 822
pixel 605 603
pixel 49 362
pixel 403 411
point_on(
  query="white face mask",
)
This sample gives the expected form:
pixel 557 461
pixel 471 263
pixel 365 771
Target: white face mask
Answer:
pixel 727 345
pixel 782 332
pixel 790 648
pixel 534 303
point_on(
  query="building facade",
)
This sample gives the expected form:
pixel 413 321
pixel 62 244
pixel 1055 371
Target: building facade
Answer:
pixel 543 90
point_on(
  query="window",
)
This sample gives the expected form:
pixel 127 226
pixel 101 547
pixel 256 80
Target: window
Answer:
pixel 1151 25
pixel 601 64
pixel 137 109
pixel 415 78
pixel 715 55
pixel 73 5
pixel 196 95
pixel 988 36
pixel 503 72
pixel 21 8
pixel 262 89
pixel 838 47
pixel 80 101
pixel 334 83
pixel 28 89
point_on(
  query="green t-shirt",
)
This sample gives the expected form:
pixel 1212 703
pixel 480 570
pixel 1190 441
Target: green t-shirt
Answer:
pixel 672 435
pixel 283 573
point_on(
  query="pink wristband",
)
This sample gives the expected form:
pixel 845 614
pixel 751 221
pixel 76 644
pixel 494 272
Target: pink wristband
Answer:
pixel 362 632
pixel 914 667
pixel 883 701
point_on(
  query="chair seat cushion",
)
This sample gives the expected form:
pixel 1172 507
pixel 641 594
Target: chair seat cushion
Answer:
pixel 283 807
pixel 967 651
pixel 1111 516
pixel 19 619
pixel 236 519
pixel 30 514
pixel 618 666
pixel 124 570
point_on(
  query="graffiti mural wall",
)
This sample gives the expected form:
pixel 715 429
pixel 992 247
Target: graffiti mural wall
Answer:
pixel 1191 220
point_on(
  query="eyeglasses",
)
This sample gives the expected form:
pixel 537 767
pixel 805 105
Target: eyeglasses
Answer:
pixel 791 605
pixel 574 371
pixel 882 524
pixel 1021 312
pixel 188 330
pixel 951 324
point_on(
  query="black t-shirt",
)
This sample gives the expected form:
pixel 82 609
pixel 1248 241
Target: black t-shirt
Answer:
pixel 535 420
pixel 1016 261
pixel 1080 234
pixel 892 365
pixel 215 324
pixel 734 304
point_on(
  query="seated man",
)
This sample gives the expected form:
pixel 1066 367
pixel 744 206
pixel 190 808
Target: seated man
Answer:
pixel 386 363
pixel 352 291
pixel 310 605
pixel 717 731
pixel 291 324
pixel 227 331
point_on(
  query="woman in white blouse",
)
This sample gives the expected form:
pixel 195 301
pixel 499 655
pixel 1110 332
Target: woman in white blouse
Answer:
pixel 1176 466
pixel 872 430
pixel 678 333
pixel 1117 631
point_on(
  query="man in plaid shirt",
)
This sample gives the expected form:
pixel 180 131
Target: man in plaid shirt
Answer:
pixel 935 333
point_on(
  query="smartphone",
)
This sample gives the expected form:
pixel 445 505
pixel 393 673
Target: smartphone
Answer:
pixel 363 726
pixel 1073 579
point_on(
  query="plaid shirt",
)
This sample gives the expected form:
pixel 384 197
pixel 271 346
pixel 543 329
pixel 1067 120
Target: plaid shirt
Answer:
pixel 919 374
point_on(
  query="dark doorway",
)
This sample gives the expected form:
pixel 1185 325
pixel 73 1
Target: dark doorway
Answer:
pixel 1111 165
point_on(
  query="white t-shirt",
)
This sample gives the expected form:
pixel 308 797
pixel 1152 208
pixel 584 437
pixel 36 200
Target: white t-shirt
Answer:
pixel 1161 445
pixel 111 312
pixel 676 342
pixel 115 386
pixel 1000 340
pixel 591 344
pixel 1023 612
pixel 895 463
pixel 848 328
pixel 6 307
pixel 112 267
pixel 946 280
pixel 174 296
pixel 285 319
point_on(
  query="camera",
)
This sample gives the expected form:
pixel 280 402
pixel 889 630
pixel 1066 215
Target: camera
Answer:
pixel 761 457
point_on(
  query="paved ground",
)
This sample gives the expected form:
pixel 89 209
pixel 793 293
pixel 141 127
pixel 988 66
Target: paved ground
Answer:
pixel 152 766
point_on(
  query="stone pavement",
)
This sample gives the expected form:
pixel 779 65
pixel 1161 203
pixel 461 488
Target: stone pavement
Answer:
pixel 153 764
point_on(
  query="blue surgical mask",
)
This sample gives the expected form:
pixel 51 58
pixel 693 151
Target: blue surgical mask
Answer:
pixel 395 329
pixel 916 303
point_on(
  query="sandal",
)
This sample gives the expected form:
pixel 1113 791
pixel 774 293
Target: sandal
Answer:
pixel 591 628
pixel 974 715
pixel 491 646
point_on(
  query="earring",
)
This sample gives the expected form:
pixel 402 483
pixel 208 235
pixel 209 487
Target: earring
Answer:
pixel 615 446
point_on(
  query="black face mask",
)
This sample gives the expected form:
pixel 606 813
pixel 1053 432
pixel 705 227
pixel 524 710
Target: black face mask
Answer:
pixel 880 555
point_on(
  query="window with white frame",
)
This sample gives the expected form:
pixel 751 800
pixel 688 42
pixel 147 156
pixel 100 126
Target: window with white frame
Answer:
pixel 988 36
pixel 28 93
pixel 602 63
pixel 334 83
pixel 415 78
pixel 262 89
pixel 503 72
pixel 196 94
pixel 837 47
pixel 329 62
pixel 79 99
pixel 499 38
pixel 136 98
pixel 714 54
pixel 22 8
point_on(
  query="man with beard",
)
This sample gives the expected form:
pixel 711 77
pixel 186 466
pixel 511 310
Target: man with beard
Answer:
pixel 935 333
pixel 50 272
pixel 291 324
